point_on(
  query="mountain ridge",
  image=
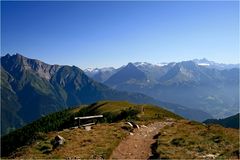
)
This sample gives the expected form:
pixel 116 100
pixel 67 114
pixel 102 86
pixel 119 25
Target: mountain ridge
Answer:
pixel 33 89
pixel 228 122
pixel 210 87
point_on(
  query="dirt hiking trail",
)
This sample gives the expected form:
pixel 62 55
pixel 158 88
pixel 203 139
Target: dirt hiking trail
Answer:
pixel 138 145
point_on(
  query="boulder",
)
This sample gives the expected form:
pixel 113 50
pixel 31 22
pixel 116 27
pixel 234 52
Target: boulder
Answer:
pixel 88 128
pixel 133 125
pixel 58 140
pixel 129 124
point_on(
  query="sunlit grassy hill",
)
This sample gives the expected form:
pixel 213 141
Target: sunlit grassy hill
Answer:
pixel 181 139
pixel 112 112
pixel 193 140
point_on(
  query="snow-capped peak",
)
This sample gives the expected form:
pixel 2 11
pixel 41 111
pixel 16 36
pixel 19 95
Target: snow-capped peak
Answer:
pixel 203 61
pixel 203 64
pixel 95 70
pixel 161 64
pixel 91 70
pixel 137 64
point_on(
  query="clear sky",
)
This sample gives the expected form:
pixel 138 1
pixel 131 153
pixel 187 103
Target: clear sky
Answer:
pixel 102 34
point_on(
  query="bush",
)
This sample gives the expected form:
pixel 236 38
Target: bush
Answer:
pixel 216 139
pixel 29 133
pixel 109 117
pixel 46 149
pixel 178 142
pixel 128 114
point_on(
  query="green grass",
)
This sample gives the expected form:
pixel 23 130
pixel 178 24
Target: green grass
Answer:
pixel 149 111
pixel 182 140
pixel 112 110
pixel 96 143
pixel 192 140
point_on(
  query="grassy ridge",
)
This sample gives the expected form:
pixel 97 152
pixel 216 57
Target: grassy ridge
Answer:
pixel 115 108
pixel 112 111
pixel 191 140
pixel 79 143
pixel 29 133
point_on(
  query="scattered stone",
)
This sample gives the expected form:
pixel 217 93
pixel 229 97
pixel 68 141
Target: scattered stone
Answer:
pixel 169 120
pixel 143 126
pixel 129 123
pixel 88 128
pixel 131 133
pixel 58 140
pixel 137 126
pixel 74 127
pixel 134 125
pixel 66 130
pixel 210 156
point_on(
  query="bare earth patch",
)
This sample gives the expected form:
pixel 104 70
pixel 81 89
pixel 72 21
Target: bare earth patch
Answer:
pixel 138 144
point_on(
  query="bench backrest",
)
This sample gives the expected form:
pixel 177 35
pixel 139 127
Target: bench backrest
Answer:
pixel 89 117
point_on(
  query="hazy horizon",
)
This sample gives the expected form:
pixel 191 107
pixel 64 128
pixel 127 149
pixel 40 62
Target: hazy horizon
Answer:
pixel 102 34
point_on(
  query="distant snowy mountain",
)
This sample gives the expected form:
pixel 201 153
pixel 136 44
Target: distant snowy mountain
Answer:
pixel 197 83
pixel 100 74
pixel 127 74
pixel 212 64
pixel 142 64
pixel 162 64
pixel 31 88
pixel 153 72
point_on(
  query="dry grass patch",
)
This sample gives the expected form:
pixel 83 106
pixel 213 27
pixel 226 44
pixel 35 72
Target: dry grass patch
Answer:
pixel 186 139
pixel 96 143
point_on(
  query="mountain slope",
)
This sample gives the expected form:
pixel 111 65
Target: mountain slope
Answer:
pixel 126 74
pixel 212 64
pixel 100 75
pixel 191 140
pixel 31 89
pixel 9 104
pixel 35 140
pixel 112 112
pixel 229 122
pixel 187 83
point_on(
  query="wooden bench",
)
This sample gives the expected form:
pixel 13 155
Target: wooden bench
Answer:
pixel 87 117
pixel 88 124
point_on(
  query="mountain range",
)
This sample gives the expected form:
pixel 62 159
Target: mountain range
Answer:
pixel 229 122
pixel 199 83
pixel 31 89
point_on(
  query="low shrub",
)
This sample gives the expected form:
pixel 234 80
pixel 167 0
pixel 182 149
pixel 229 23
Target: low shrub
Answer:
pixel 178 142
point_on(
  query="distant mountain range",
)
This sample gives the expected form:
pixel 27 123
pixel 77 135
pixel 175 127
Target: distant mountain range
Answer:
pixel 31 89
pixel 212 64
pixel 229 122
pixel 199 84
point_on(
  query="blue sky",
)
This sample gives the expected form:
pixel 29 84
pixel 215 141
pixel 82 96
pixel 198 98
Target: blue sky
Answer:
pixel 98 34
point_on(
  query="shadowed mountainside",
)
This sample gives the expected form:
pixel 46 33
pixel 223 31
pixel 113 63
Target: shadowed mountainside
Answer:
pixel 31 89
pixel 229 122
